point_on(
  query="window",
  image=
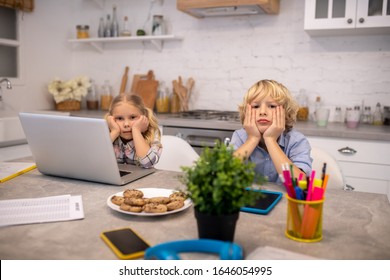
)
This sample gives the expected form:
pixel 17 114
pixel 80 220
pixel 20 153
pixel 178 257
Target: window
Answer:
pixel 9 44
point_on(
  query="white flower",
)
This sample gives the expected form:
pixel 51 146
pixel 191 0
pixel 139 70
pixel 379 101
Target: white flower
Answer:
pixel 74 89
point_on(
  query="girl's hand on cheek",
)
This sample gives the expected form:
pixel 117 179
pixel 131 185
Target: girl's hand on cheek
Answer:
pixel 112 125
pixel 142 124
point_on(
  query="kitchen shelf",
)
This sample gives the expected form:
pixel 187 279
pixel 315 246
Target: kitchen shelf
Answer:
pixel 99 43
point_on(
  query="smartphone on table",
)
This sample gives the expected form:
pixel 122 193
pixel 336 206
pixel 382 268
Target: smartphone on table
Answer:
pixel 265 203
pixel 125 243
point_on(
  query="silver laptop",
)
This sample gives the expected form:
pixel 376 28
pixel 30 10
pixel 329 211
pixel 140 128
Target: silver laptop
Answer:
pixel 77 148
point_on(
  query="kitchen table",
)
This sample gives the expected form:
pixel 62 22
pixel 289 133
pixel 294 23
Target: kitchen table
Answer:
pixel 355 225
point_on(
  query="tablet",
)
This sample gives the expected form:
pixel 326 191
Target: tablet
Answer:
pixel 264 204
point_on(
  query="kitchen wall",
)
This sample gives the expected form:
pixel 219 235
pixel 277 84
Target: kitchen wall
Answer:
pixel 224 55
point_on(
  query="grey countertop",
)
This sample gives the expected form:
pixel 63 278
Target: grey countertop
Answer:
pixel 333 130
pixel 355 225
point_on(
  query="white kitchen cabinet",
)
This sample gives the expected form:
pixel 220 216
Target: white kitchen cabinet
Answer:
pixel 99 43
pixel 335 17
pixel 365 164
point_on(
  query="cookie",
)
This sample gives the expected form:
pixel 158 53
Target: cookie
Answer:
pixel 134 201
pixel 155 208
pixel 133 193
pixel 176 204
pixel 117 200
pixel 159 200
pixel 178 196
pixel 130 208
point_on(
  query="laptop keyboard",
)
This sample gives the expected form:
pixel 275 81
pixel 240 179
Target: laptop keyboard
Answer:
pixel 124 173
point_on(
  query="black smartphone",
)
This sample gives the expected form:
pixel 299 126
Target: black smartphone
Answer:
pixel 265 203
pixel 125 243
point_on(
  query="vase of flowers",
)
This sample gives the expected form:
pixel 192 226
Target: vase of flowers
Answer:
pixel 68 94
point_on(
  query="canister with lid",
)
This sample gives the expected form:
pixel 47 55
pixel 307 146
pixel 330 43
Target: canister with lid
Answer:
pixel 82 31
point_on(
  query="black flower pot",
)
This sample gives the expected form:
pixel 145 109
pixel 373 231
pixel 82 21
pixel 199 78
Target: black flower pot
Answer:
pixel 220 227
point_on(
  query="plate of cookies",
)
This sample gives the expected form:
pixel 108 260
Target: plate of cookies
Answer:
pixel 149 201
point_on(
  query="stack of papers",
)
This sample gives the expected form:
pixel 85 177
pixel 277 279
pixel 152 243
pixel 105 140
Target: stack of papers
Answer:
pixel 41 210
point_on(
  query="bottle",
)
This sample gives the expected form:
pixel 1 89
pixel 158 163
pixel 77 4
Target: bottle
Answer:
pixel 125 31
pixel 92 98
pixel 114 23
pixel 158 25
pixel 107 28
pixel 317 105
pixel 101 27
pixel 106 96
pixel 377 116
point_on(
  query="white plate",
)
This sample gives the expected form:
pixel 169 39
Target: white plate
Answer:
pixel 149 192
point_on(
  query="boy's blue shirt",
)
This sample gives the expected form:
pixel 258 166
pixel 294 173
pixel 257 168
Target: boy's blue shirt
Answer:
pixel 293 143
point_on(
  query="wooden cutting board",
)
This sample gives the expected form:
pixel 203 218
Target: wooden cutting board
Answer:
pixel 146 87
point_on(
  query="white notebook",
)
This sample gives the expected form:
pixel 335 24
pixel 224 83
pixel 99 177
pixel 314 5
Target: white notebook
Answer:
pixel 41 210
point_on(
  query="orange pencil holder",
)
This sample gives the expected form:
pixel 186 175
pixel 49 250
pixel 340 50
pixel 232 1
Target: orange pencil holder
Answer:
pixel 304 220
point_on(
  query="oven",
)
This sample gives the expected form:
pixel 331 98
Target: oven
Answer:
pixel 213 126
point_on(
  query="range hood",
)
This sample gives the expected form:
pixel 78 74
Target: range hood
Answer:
pixel 208 8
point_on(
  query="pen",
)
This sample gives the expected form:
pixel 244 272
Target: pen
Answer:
pixel 292 176
pixel 323 172
pixel 299 193
pixel 310 186
pixel 325 182
pixel 288 182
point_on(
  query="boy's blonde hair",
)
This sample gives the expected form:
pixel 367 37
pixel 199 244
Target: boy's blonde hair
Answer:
pixel 276 91
pixel 137 102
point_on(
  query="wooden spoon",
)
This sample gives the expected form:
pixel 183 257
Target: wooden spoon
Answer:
pixel 124 81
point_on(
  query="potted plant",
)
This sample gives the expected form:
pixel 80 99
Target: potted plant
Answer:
pixel 217 184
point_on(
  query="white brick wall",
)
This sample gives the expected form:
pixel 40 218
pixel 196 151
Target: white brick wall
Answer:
pixel 224 55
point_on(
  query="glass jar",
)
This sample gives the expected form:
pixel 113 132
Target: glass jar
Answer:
pixel 366 116
pixel 338 115
pixel 303 111
pixel 353 117
pixel 106 96
pixel 175 103
pixel 163 100
pixel 386 115
pixel 82 31
pixel 377 116
pixel 92 98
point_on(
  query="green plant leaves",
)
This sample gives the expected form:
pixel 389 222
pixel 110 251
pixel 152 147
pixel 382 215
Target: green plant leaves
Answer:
pixel 217 182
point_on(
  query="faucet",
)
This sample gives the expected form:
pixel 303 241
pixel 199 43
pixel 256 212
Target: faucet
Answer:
pixel 9 85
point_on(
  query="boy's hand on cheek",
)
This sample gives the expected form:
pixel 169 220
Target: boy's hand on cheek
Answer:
pixel 278 124
pixel 250 123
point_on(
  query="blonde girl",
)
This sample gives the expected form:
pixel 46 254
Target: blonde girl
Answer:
pixel 134 131
pixel 268 114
